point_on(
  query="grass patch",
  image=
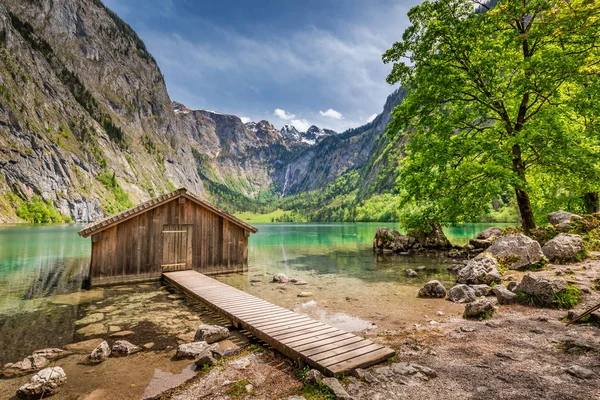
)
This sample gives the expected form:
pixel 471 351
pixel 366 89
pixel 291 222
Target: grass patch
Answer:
pixel 238 389
pixel 255 218
pixel 316 391
pixel 564 299
pixel 120 201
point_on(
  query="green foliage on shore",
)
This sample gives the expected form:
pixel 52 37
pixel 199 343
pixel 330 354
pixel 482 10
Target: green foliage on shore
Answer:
pixel 39 211
pixel 501 99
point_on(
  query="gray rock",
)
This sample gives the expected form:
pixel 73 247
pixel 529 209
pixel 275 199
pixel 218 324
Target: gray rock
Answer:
pixel 482 269
pixel 482 290
pixel 541 289
pixel 313 376
pixel 205 358
pixel 461 294
pixel 100 353
pixel 479 308
pixel 405 369
pixel 434 239
pixel 211 333
pixel 433 289
pixel 336 387
pixel 387 239
pixel 563 247
pixel 504 295
pixel 26 366
pixel 123 348
pixel 281 278
pixel 295 398
pixel 216 351
pixel 562 217
pixel 47 382
pixel 411 273
pixel 580 372
pixel 517 251
pixel 191 350
pixel 512 285
pixel 454 269
pixel 490 233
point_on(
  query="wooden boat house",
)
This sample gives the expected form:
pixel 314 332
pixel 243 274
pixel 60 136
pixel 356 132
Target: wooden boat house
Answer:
pixel 174 232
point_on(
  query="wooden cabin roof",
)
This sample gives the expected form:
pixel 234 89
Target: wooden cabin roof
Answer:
pixel 99 226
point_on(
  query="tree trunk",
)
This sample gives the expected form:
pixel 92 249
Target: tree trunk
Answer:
pixel 590 201
pixel 527 220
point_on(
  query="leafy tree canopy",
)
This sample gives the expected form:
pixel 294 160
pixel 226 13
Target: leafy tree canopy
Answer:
pixel 500 98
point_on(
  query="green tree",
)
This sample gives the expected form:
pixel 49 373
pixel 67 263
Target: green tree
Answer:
pixel 490 92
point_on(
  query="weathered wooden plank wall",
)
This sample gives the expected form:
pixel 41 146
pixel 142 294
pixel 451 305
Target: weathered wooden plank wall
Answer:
pixel 133 249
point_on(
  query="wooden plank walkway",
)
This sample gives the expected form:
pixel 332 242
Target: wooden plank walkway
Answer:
pixel 305 340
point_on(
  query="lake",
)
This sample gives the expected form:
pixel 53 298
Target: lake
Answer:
pixel 42 268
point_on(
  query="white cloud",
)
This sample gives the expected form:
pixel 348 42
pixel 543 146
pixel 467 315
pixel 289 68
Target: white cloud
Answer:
pixel 279 113
pixel 301 124
pixel 245 119
pixel 331 113
pixel 371 118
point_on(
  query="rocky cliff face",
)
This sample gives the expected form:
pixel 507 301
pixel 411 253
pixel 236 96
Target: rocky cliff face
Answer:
pixel 85 117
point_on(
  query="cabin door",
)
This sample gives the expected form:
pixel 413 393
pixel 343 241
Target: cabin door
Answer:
pixel 176 248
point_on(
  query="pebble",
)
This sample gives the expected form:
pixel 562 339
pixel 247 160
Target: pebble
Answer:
pixel 305 294
pixel 122 334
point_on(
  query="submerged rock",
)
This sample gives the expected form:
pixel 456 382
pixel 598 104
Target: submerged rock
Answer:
pixel 562 217
pixel 411 273
pixel 47 382
pixel 387 239
pixel 564 247
pixel 51 353
pixel 90 319
pixel 461 294
pixel 123 348
pixel 211 333
pixel 84 347
pixel 93 329
pixel 26 366
pixel 281 278
pixel 100 353
pixel 433 289
pixel 540 290
pixel 482 269
pixel 482 308
pixel 517 251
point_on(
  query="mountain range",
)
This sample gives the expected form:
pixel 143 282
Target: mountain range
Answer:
pixel 87 126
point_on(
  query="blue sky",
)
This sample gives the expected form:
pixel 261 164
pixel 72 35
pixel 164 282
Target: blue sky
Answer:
pixel 299 62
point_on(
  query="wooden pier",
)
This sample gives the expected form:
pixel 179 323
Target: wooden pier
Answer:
pixel 305 340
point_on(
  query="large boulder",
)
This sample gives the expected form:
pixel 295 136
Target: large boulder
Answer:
pixel 461 294
pixel 564 247
pixel 387 239
pixel 433 289
pixel 481 309
pixel 517 251
pixel 539 291
pixel 483 269
pixel 45 383
pixel 485 238
pixel 211 333
pixel 434 239
pixel 560 217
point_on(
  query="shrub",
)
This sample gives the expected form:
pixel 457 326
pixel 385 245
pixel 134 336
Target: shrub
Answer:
pixel 39 211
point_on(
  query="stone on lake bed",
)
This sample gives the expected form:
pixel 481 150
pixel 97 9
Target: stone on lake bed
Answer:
pixel 300 283
pixel 93 329
pixel 51 353
pixel 148 345
pixel 100 353
pixel 122 333
pixel 281 278
pixel 433 289
pixel 123 348
pixel 305 294
pixel 84 296
pixel 45 383
pixel 84 347
pixel 411 273
pixel 90 319
pixel 211 333
pixel 27 365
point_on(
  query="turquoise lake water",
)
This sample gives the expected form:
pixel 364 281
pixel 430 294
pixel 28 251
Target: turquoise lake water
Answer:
pixel 39 262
